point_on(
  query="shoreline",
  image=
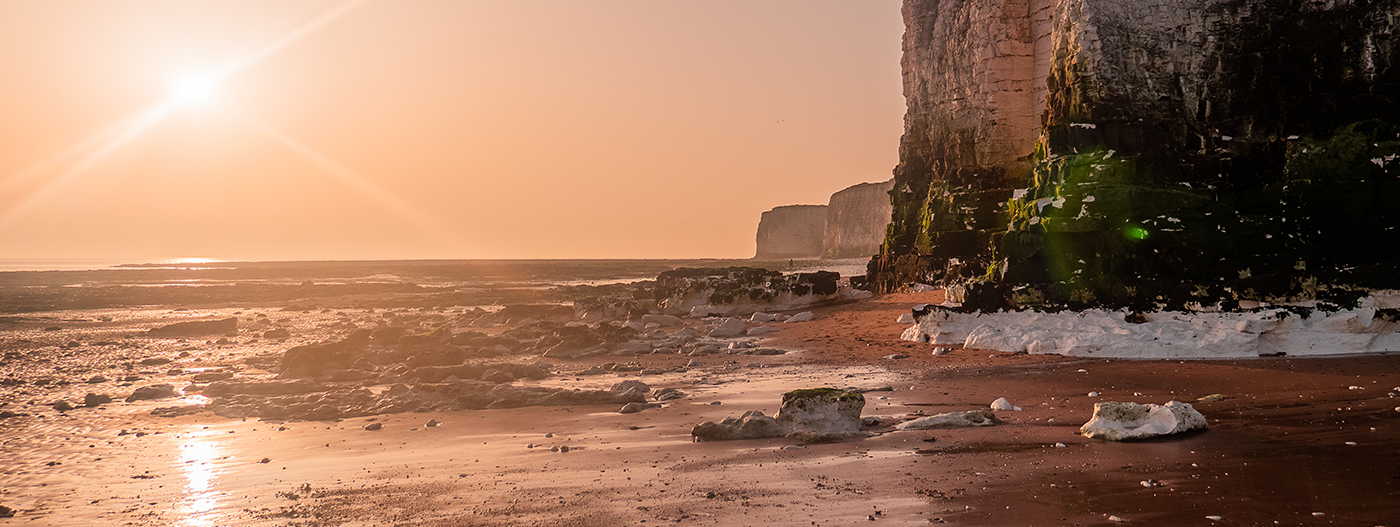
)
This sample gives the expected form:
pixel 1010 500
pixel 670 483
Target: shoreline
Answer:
pixel 1277 449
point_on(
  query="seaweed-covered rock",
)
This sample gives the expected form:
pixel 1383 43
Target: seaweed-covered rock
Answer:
pixel 815 415
pixel 739 291
pixel 1087 176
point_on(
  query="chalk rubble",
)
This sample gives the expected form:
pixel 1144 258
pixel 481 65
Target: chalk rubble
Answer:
pixel 1119 421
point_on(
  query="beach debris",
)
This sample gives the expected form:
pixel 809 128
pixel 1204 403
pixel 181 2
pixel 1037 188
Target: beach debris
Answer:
pixel 374 426
pixel 156 391
pixel 195 328
pixel 968 419
pixel 811 415
pixel 805 316
pixel 1212 398
pixel 1003 405
pixel 1119 421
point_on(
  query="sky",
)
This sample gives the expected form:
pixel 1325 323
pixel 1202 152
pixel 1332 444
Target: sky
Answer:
pixel 145 130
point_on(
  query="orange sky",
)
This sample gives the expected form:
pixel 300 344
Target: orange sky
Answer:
pixel 435 129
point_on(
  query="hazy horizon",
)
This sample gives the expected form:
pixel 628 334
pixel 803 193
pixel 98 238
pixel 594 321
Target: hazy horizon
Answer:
pixel 146 131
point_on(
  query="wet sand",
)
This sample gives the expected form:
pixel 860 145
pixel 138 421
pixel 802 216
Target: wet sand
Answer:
pixel 1277 450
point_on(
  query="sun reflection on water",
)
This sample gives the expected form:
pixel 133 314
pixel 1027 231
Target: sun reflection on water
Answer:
pixel 197 460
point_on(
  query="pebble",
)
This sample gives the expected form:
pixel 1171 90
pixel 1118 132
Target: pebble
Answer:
pixel 940 351
pixel 1351 443
pixel 1214 518
pixel 896 356
pixel 1319 514
pixel 1116 519
pixel 1061 445
pixel 1083 371
pixel 564 448
pixel 374 426
pixel 433 423
pixel 554 449
pixel 717 403
pixel 549 435
pixel 793 447
pixel 1093 394
pixel 1355 388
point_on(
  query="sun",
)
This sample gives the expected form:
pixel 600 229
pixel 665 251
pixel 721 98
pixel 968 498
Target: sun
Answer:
pixel 193 89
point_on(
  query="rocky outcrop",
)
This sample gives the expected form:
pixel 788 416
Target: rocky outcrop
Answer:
pixel 792 231
pixel 1147 153
pixel 856 218
pixel 746 290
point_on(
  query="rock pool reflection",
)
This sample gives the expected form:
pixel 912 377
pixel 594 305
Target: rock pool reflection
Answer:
pixel 198 454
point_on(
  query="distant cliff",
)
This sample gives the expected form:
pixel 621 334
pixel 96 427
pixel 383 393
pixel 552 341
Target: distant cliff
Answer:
pixel 1148 152
pixel 792 231
pixel 856 218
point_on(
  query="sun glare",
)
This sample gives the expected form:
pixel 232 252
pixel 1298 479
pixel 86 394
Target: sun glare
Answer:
pixel 193 89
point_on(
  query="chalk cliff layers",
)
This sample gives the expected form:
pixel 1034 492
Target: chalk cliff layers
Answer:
pixel 856 218
pixel 1148 152
pixel 792 231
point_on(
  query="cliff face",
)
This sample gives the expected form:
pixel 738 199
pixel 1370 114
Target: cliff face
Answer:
pixel 856 218
pixel 792 231
pixel 1138 152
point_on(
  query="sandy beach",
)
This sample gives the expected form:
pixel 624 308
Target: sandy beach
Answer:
pixel 1292 442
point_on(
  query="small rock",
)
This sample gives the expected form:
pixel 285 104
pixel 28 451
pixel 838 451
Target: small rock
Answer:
pixel 896 356
pixel 1118 421
pixel 62 406
pixel 265 460
pixel 940 351
pixel 433 423
pixel 906 318
pixel 554 449
pixel 157 391
pixel 805 316
pixel 96 399
pixel 1319 514
pixel 97 380
pixel 374 426
pixel 549 435
pixel 717 403
pixel 1093 394
pixel 1116 519
pixel 1149 483
pixel 6 512
pixel 564 448
pixel 793 447
pixel 1003 405
pixel 1212 398
pixel 1215 518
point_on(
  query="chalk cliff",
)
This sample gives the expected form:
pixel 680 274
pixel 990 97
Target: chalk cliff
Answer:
pixel 856 218
pixel 1148 152
pixel 791 231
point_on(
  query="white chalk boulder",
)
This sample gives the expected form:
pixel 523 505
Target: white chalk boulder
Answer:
pixel 1003 405
pixel 1117 421
pixel 730 327
pixel 805 316
pixel 968 419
